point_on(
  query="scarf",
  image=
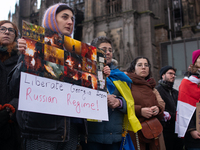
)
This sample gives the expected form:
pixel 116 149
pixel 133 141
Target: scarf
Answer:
pixel 7 51
pixel 119 80
pixel 166 84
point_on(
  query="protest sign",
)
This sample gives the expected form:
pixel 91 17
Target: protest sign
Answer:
pixel 62 61
pixel 43 95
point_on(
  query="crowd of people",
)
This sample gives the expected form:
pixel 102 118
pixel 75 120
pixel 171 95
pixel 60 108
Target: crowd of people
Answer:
pixel 175 110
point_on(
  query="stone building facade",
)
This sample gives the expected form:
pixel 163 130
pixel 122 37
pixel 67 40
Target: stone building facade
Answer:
pixel 136 27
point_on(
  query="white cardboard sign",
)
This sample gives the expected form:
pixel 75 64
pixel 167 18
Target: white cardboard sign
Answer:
pixel 47 96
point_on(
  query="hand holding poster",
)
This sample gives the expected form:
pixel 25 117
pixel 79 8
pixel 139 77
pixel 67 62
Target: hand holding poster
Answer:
pixel 69 64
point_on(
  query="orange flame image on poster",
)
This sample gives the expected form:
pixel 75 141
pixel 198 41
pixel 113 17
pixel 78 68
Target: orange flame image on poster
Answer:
pixel 72 45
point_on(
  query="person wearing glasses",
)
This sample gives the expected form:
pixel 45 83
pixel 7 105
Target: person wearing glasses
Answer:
pixel 107 135
pixel 9 130
pixel 189 96
pixel 146 98
pixel 170 96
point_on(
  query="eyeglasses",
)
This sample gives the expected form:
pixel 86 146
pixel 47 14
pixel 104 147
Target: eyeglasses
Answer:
pixel 171 74
pixel 4 29
pixel 105 49
pixel 142 65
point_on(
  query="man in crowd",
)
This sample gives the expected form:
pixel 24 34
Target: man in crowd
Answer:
pixel 170 96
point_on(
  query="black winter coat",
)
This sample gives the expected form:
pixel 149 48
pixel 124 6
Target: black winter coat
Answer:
pixel 170 96
pixel 190 142
pixel 42 126
pixel 9 133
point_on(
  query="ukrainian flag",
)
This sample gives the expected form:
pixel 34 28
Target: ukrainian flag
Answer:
pixel 119 80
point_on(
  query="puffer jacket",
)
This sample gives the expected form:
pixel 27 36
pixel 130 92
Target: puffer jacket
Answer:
pixel 108 132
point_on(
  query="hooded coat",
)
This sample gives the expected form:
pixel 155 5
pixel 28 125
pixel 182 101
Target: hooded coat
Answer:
pixel 144 96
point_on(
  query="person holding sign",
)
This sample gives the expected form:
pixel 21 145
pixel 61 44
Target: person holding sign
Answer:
pixel 9 130
pixel 42 131
pixel 188 97
pixel 106 135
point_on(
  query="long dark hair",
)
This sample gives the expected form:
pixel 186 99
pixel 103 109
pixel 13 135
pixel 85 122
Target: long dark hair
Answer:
pixel 131 68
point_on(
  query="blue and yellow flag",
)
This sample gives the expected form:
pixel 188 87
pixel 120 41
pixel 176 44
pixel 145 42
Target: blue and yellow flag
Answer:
pixel 119 80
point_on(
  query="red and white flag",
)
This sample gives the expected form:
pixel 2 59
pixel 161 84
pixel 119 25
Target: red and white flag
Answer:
pixel 189 95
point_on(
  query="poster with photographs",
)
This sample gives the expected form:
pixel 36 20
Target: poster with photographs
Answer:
pixel 52 55
pixel 101 62
pixel 53 38
pixel 33 58
pixel 33 31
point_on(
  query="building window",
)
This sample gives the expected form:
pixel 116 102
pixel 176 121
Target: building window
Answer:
pixel 70 2
pixel 113 6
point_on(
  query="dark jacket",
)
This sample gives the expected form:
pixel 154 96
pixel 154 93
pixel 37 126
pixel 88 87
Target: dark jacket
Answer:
pixel 170 96
pixel 10 132
pixel 41 126
pixel 189 141
pixel 5 69
pixel 108 132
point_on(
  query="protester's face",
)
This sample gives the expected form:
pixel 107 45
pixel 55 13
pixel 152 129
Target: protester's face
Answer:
pixel 7 36
pixel 169 75
pixel 108 50
pixel 142 68
pixel 65 21
pixel 197 63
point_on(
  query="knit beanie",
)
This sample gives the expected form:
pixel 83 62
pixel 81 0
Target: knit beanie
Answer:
pixel 195 55
pixel 49 18
pixel 164 69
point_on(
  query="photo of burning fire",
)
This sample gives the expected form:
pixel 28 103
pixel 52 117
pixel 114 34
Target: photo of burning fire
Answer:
pixel 33 57
pixel 53 54
pixel 53 38
pixel 89 65
pixel 72 76
pixel 54 71
pixel 89 51
pixel 89 80
pixel 72 45
pixel 33 32
pixel 73 60
pixel 72 68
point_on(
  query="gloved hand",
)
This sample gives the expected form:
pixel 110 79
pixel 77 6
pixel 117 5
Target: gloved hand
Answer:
pixel 167 116
pixel 4 117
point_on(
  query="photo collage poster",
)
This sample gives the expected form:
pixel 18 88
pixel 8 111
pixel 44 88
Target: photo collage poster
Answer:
pixel 55 56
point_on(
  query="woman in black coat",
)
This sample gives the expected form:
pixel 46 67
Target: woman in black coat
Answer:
pixel 9 131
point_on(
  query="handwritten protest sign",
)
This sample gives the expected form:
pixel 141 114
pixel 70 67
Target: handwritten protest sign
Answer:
pixel 52 66
pixel 42 95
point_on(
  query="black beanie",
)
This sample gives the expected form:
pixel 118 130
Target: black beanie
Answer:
pixel 164 69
